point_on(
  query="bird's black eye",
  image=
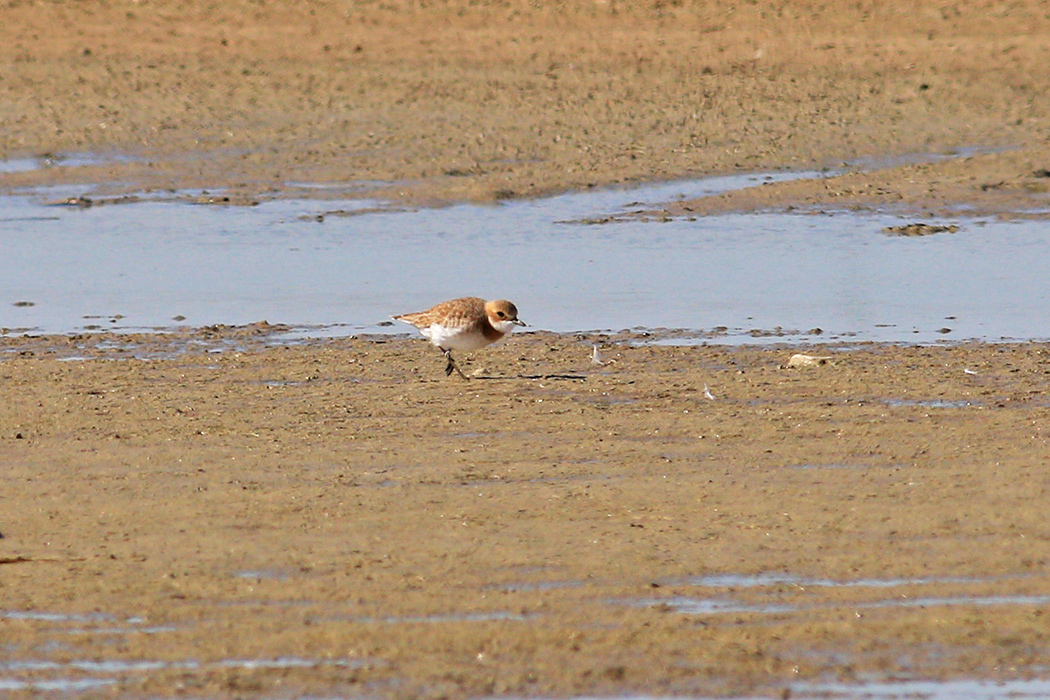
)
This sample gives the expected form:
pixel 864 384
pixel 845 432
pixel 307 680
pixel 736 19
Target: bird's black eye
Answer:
pixel 500 314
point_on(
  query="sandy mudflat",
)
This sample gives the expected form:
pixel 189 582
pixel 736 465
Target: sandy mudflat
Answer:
pixel 550 528
pixel 457 100
pixel 204 515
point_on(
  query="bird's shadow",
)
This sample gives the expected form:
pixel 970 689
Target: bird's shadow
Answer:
pixel 565 377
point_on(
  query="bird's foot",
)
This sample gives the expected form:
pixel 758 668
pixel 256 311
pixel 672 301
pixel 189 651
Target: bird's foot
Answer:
pixel 451 366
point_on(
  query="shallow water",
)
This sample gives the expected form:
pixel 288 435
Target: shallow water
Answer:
pixel 725 602
pixel 53 669
pixel 928 690
pixel 68 677
pixel 313 265
pixel 717 606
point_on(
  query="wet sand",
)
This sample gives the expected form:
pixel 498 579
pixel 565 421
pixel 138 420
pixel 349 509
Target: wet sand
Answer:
pixel 206 515
pixel 539 530
pixel 461 101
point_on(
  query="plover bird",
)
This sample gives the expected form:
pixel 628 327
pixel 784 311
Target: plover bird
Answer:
pixel 464 324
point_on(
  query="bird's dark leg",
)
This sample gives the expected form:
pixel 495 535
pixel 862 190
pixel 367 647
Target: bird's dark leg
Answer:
pixel 452 365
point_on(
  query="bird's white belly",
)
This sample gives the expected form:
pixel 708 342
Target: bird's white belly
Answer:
pixel 454 338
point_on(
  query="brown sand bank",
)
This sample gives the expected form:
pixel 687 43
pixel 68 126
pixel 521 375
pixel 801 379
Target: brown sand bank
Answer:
pixel 340 519
pixel 458 100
